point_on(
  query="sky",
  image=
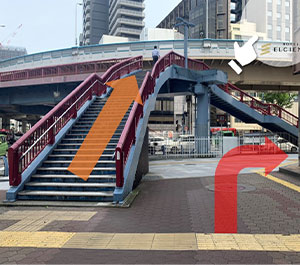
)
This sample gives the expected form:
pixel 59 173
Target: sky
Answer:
pixel 50 24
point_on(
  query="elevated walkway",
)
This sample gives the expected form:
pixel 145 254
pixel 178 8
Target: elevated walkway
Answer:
pixel 39 161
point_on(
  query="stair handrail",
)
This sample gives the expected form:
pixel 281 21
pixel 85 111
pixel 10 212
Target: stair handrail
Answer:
pixel 55 70
pixel 128 136
pixel 262 107
pixel 43 132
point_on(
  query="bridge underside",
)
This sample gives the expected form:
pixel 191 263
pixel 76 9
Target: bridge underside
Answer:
pixel 31 102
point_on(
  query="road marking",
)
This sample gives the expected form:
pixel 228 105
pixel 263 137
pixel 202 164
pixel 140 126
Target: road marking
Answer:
pixel 279 181
pixel 31 221
pixel 282 182
pixel 152 241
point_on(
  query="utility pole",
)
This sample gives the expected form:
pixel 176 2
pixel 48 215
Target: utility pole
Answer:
pixel 206 33
pixel 187 25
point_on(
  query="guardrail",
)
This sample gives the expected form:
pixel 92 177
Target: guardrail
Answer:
pixel 30 145
pixel 58 70
pixel 263 108
pixel 128 136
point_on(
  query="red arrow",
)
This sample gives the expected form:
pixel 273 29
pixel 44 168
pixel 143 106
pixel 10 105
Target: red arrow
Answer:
pixel 270 156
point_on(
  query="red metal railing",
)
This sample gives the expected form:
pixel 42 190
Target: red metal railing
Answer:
pixel 58 70
pixel 28 147
pixel 128 136
pixel 263 108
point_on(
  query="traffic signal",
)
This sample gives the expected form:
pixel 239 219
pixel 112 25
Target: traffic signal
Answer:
pixel 236 10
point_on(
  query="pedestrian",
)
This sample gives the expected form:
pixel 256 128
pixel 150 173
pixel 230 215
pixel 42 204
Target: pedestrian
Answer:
pixel 155 55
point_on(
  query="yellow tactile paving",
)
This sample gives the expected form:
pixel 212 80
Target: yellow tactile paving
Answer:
pixel 35 239
pixel 149 241
pixel 279 181
pixel 174 242
pixel 89 240
pixel 36 220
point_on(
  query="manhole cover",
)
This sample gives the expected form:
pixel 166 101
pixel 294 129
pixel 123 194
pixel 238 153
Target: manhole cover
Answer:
pixel 229 187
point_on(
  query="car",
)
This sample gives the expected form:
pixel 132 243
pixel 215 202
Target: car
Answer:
pixel 155 144
pixel 161 144
pixel 286 146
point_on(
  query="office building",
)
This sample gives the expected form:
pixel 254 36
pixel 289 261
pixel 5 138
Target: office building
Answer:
pixel 216 12
pixel 126 18
pixel 7 52
pixel 95 21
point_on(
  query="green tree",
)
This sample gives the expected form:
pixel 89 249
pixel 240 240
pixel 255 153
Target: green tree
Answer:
pixel 282 99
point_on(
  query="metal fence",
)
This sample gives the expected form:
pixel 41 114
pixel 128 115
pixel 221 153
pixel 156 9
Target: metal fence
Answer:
pixel 188 147
pixel 162 147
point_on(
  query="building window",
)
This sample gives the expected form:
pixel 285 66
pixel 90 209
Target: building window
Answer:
pixel 287 3
pixel 279 15
pixel 278 28
pixel 270 34
pixel 287 16
pixel 287 30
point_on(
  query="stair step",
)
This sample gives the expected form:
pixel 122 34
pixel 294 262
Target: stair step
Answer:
pixel 73 155
pixel 64 178
pixel 66 169
pixel 67 193
pixel 96 135
pixel 65 184
pixel 75 150
pixel 78 144
pixel 73 176
pixel 68 161
pixel 91 141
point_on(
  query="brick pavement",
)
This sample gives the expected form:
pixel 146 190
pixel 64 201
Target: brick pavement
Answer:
pixel 175 206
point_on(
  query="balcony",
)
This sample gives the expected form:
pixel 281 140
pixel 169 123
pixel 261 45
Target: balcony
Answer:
pixel 87 25
pixel 125 21
pixel 126 3
pixel 120 12
pixel 87 17
pixel 128 31
pixel 86 3
pixel 87 10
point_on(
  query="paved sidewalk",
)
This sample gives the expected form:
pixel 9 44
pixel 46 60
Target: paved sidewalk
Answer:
pixel 170 222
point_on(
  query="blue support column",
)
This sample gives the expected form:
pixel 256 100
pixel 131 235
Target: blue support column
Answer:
pixel 202 130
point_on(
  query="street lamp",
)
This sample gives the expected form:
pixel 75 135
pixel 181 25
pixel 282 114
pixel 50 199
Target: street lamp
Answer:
pixel 77 4
pixel 187 25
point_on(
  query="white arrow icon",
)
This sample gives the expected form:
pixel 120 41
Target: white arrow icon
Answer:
pixel 244 55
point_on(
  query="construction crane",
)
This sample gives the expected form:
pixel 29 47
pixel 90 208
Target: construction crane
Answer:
pixel 11 36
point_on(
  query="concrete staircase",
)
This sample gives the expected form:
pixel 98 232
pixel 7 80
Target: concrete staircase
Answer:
pixel 53 182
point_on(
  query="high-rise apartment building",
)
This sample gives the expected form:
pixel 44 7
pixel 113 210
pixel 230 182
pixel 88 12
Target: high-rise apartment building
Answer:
pixel 95 20
pixel 274 17
pixel 126 18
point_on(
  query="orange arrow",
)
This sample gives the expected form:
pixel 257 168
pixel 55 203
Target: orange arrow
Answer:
pixel 125 91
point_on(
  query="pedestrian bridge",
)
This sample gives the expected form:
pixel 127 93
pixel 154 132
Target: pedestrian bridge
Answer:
pixel 40 161
pixel 72 64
